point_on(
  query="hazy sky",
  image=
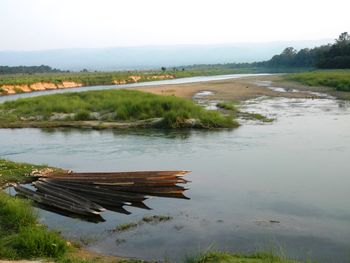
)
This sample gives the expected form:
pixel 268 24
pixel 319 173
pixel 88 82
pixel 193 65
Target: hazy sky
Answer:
pixel 48 24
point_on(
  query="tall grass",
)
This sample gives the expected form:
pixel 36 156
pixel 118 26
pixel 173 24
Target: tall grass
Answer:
pixel 20 234
pixel 114 105
pixel 337 79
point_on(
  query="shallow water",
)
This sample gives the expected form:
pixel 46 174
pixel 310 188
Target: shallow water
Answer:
pixel 284 184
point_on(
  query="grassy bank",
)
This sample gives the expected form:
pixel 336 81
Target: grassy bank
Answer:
pixel 109 106
pixel 336 79
pixel 23 237
pixel 11 172
pixel 20 234
pixel 109 78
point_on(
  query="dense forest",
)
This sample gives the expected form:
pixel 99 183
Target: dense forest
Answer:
pixel 28 69
pixel 331 56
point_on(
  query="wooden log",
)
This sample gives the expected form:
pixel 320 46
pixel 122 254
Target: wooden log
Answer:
pixel 124 174
pixel 76 187
pixel 54 201
pixel 66 195
pixel 117 179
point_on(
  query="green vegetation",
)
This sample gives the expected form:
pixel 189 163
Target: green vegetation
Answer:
pixel 233 108
pixel 110 106
pixel 22 237
pixel 27 69
pixel 86 78
pixel 11 172
pixel 20 234
pixel 255 116
pixel 156 219
pixel 145 220
pixel 227 106
pixel 125 227
pixel 226 257
pixel 337 79
pixel 331 56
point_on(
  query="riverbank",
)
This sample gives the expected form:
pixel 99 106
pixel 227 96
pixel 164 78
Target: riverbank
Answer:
pixel 27 83
pixel 14 84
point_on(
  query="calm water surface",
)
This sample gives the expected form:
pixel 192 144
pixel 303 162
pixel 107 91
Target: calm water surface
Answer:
pixel 294 171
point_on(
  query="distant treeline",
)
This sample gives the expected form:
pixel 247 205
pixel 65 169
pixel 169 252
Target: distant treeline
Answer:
pixel 28 69
pixel 331 56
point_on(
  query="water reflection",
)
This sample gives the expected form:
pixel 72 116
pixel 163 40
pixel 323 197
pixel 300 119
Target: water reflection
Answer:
pixel 181 134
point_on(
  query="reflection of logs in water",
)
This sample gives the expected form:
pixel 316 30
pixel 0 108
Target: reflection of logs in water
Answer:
pixel 86 195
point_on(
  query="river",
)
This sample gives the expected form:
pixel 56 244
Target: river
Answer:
pixel 277 186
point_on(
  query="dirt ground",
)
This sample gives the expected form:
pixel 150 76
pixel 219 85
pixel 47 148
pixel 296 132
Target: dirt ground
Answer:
pixel 230 89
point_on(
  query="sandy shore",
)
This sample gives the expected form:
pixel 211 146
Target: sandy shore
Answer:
pixel 231 89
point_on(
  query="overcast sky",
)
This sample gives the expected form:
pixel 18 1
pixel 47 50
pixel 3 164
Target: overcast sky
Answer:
pixel 50 24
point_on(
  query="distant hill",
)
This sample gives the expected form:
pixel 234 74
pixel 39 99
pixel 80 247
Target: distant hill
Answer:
pixel 146 57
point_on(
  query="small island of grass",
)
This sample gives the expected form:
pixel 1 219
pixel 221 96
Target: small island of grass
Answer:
pixel 110 109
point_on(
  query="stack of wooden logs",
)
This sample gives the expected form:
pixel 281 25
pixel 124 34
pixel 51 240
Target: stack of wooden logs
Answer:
pixel 89 194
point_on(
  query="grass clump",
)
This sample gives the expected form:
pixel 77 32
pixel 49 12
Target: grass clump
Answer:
pixel 336 79
pixel 111 106
pixel 227 106
pixel 125 227
pixel 255 116
pixel 156 219
pixel 226 257
pixel 145 220
pixel 20 234
pixel 15 213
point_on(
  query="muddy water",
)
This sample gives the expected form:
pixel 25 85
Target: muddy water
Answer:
pixel 259 187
